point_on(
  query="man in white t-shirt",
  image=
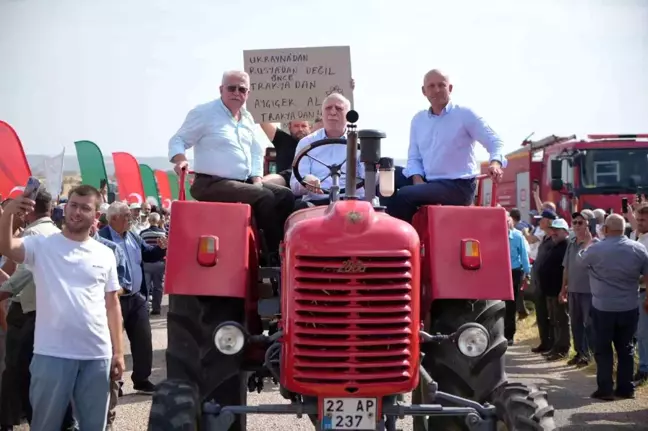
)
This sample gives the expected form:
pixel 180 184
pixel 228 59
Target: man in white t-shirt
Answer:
pixel 78 338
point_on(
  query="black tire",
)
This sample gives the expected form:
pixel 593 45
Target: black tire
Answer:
pixel 175 407
pixel 456 374
pixel 192 357
pixel 524 408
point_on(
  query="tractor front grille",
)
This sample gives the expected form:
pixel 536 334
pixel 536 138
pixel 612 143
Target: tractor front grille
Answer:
pixel 352 320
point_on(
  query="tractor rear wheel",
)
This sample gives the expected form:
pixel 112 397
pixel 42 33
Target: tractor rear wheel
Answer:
pixel 524 408
pixel 175 407
pixel 456 374
pixel 191 355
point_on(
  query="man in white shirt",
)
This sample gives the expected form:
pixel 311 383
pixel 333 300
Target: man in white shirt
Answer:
pixel 228 157
pixel 442 160
pixel 78 336
pixel 334 110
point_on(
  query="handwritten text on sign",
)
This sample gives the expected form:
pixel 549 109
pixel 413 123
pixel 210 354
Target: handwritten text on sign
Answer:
pixel 290 84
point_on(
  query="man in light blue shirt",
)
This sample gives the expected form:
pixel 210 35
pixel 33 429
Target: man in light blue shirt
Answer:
pixel 520 268
pixel 228 157
pixel 313 169
pixel 442 161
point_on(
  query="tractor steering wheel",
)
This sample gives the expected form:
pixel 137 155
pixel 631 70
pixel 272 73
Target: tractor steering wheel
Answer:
pixel 335 169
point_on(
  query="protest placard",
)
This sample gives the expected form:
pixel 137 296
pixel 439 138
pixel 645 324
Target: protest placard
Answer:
pixel 290 84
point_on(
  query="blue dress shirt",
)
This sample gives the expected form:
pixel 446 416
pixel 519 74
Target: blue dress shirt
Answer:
pixel 443 146
pixel 223 146
pixel 519 253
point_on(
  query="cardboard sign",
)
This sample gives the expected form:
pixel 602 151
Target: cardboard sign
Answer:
pixel 290 84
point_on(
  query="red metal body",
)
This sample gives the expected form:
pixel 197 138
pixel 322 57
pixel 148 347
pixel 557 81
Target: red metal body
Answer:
pixel 234 274
pixel 442 230
pixel 349 307
pixel 531 163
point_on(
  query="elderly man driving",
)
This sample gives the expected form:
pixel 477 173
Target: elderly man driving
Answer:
pixel 312 166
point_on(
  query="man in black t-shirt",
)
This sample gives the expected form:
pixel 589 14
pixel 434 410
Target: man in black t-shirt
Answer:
pixel 285 145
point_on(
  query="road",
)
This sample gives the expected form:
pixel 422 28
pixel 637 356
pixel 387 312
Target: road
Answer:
pixel 568 390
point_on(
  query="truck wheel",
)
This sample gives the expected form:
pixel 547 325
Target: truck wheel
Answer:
pixel 524 408
pixel 175 407
pixel 456 374
pixel 191 355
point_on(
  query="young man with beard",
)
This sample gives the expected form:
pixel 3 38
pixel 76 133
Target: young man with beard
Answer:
pixel 285 144
pixel 78 336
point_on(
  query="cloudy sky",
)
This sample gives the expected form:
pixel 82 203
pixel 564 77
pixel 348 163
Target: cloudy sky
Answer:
pixel 124 73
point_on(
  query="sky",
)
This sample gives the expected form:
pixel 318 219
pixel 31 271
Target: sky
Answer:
pixel 124 73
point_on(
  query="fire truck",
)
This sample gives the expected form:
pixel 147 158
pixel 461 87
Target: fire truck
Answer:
pixel 599 170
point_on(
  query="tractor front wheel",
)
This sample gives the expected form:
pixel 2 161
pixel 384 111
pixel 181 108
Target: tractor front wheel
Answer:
pixel 192 356
pixel 524 408
pixel 175 407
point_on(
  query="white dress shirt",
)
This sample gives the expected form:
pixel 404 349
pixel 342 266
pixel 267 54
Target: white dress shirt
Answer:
pixel 328 154
pixel 443 146
pixel 223 146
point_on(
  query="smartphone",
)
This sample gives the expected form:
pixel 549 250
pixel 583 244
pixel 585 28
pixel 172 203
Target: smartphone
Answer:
pixel 624 205
pixel 32 187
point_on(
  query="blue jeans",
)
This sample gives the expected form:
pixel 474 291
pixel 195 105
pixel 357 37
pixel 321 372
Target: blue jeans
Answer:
pixel 56 381
pixel 642 335
pixel 580 314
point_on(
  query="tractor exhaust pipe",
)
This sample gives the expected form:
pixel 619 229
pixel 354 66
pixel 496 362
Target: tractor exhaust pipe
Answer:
pixel 352 156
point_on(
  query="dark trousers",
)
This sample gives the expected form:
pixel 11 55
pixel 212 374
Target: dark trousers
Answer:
pixel 511 309
pixel 580 315
pixel 618 329
pixel 271 204
pixel 138 330
pixel 559 321
pixel 408 199
pixel 154 276
pixel 16 378
pixel 542 314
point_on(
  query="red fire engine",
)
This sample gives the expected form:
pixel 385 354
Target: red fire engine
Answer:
pixel 599 171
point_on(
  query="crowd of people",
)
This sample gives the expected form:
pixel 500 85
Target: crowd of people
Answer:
pixel 78 276
pixel 74 276
pixel 587 282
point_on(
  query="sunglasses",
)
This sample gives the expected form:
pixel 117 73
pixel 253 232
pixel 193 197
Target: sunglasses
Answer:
pixel 234 88
pixel 578 222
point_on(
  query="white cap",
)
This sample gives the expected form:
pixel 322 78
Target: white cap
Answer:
pixel 135 206
pixel 560 223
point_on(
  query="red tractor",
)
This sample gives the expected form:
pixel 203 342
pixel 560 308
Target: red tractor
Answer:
pixel 364 309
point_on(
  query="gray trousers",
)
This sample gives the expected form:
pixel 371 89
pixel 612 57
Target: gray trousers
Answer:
pixel 580 315
pixel 154 274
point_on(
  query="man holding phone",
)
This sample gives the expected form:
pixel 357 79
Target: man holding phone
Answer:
pixel 74 357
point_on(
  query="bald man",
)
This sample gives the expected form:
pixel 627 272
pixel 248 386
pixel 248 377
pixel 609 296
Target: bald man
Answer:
pixel 442 160
pixel 615 266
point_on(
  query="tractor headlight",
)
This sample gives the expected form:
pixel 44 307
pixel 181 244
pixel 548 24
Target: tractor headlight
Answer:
pixel 473 340
pixel 229 339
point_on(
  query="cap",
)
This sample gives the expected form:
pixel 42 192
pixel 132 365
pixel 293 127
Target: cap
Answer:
pixel 534 214
pixel 135 206
pixel 549 214
pixel 560 223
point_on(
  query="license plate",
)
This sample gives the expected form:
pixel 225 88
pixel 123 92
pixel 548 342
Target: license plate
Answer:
pixel 349 414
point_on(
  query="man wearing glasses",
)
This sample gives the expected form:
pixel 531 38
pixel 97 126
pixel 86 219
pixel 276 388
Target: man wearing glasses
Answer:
pixel 228 157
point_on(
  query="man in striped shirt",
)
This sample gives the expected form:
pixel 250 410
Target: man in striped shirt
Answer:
pixel 154 272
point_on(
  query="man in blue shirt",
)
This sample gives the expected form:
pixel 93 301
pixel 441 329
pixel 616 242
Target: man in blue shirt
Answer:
pixel 442 160
pixel 520 268
pixel 228 157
